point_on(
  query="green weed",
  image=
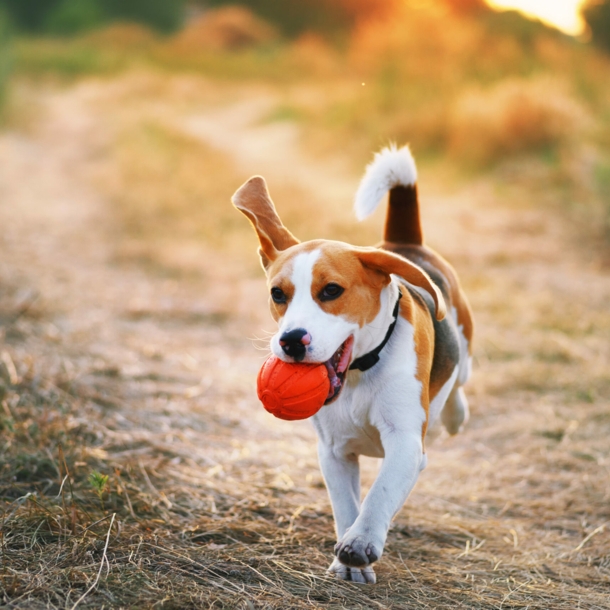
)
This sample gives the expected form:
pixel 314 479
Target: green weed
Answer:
pixel 99 484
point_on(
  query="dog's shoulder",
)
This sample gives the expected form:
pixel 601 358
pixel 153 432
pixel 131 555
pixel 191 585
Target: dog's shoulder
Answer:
pixel 444 276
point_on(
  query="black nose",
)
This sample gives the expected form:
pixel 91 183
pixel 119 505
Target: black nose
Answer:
pixel 294 343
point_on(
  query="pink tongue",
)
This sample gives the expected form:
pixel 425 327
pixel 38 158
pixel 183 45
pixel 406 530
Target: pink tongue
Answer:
pixel 335 382
pixel 347 354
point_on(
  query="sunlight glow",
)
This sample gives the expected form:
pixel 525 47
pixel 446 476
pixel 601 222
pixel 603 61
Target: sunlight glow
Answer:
pixel 562 14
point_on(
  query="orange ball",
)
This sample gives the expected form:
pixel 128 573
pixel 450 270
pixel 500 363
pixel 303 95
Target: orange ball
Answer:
pixel 292 390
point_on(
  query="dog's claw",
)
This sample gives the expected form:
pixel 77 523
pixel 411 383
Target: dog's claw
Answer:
pixel 358 575
pixel 370 551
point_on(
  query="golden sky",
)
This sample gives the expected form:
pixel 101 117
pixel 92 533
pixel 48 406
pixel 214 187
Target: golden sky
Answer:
pixel 563 14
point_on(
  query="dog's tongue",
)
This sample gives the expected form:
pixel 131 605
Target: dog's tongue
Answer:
pixel 342 365
pixel 335 382
pixel 345 357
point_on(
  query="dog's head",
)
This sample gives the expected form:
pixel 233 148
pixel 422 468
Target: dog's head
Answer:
pixel 333 301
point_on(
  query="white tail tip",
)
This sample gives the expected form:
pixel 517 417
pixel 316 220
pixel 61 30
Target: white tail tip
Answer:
pixel 390 167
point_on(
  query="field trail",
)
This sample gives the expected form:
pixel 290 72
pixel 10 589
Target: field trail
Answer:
pixel 272 149
pixel 171 375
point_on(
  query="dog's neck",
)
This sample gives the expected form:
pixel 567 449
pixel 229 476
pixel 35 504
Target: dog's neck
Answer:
pixel 370 359
pixel 372 334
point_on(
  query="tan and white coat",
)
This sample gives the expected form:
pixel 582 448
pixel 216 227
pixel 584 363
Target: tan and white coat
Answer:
pixel 384 411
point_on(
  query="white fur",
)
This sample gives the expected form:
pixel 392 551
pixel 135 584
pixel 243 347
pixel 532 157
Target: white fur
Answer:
pixel 390 167
pixel 379 413
pixel 465 358
pixel 455 412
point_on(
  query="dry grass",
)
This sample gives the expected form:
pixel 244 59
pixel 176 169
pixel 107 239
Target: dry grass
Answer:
pixel 515 117
pixel 510 516
pixel 227 28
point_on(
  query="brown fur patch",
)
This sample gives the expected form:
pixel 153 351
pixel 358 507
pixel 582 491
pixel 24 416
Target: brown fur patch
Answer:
pixel 253 200
pixel 387 262
pixel 339 264
pixel 414 310
pixel 454 296
pixel 402 224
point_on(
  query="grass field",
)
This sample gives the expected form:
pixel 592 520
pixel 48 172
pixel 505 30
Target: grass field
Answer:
pixel 137 467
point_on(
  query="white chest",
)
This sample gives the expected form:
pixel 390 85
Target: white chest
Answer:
pixel 383 400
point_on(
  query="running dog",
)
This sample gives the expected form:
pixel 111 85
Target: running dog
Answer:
pixel 394 330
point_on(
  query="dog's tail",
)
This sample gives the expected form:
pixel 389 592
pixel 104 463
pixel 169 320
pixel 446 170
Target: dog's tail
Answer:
pixel 393 169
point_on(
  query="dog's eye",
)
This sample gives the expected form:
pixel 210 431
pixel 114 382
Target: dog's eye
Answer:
pixel 278 296
pixel 331 292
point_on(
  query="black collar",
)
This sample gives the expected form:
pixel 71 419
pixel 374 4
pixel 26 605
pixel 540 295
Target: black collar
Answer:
pixel 364 363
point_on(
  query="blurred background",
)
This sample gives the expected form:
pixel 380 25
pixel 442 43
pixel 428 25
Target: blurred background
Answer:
pixel 477 88
pixel 132 300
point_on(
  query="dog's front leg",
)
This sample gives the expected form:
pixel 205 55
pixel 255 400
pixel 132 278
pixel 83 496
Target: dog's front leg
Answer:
pixel 342 476
pixel 363 543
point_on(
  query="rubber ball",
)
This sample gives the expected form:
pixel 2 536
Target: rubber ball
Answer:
pixel 292 390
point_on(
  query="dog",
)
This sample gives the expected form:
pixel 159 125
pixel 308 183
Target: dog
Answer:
pixel 394 329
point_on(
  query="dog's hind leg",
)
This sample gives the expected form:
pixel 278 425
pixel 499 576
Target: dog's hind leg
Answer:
pixel 455 412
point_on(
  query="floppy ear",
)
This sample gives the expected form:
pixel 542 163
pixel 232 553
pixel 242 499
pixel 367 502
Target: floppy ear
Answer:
pixel 387 262
pixel 252 199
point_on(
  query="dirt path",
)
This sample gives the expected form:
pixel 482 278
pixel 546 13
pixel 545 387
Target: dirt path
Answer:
pixel 272 149
pixel 175 380
pixel 152 342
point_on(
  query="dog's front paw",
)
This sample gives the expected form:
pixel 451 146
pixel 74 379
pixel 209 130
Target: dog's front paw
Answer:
pixel 357 551
pixel 364 576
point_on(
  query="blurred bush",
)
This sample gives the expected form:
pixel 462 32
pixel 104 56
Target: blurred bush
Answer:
pixel 5 54
pixel 162 15
pixel 67 17
pixel 120 37
pixel 602 180
pixel 515 116
pixel 479 91
pixel 520 28
pixel 451 77
pixel 597 16
pixel 73 16
pixel 29 15
pixel 226 28
pixel 467 7
pixel 325 16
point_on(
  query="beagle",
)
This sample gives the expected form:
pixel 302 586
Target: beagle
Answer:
pixel 394 330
